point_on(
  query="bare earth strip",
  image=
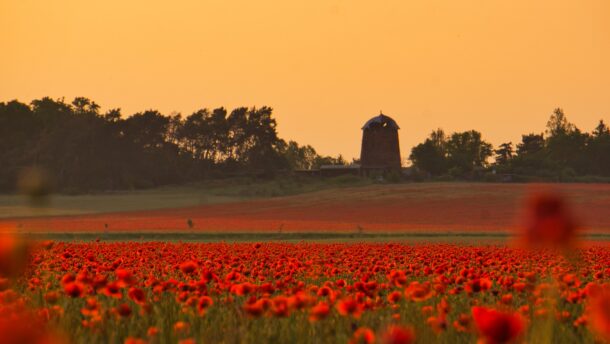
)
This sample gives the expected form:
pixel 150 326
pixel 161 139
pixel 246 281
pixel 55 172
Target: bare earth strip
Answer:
pixel 434 207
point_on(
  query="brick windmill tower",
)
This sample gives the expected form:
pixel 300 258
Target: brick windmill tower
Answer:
pixel 380 150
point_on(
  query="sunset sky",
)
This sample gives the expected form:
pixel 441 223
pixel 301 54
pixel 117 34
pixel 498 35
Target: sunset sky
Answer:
pixel 325 66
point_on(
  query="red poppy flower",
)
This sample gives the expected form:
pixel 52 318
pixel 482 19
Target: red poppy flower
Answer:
pixel 132 340
pixel 319 311
pixel 398 335
pixel 351 307
pixel 299 300
pixel 74 289
pixel 113 289
pixel 437 323
pixel 478 285
pixel 279 306
pixel 497 327
pixel 394 297
pixel 181 327
pixel 152 331
pixel 463 323
pixel 549 221
pixel 137 295
pixel 598 310
pixel 91 308
pixel 51 297
pixel 125 277
pixel 188 267
pixel 255 309
pixel 419 291
pixel 123 310
pixel 363 335
pixel 204 303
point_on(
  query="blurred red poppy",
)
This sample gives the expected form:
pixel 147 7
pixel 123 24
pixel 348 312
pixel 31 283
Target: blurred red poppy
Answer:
pixel 349 306
pixel 137 295
pixel 497 327
pixel 319 311
pixel 395 334
pixel 363 335
pixel 549 221
pixel 598 310
pixel 188 267
pixel 74 289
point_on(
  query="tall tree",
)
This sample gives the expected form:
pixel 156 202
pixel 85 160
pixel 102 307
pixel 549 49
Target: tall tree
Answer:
pixel 431 156
pixel 504 154
pixel 558 124
pixel 530 144
pixel 598 150
pixel 467 150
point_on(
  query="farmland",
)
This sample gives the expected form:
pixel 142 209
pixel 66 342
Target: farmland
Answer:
pixel 405 263
pixel 413 208
pixel 308 293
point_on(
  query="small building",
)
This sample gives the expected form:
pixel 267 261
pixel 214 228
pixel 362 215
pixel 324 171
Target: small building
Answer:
pixel 380 150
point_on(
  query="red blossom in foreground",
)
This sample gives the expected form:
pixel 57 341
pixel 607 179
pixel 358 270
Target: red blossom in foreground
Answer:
pixel 319 311
pixel 340 288
pixel 204 303
pixel 182 327
pixel 256 308
pixel 188 267
pixel 123 310
pixel 394 297
pixel 349 306
pixel 13 255
pixel 363 335
pixel 598 309
pixel 137 295
pixel 125 277
pixel 419 291
pixel 398 335
pixel 74 289
pixel 549 221
pixel 497 327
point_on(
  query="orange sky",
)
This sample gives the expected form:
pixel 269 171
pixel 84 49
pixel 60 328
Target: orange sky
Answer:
pixel 326 66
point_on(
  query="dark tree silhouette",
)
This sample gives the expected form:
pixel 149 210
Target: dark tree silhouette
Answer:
pixel 84 150
pixel 504 154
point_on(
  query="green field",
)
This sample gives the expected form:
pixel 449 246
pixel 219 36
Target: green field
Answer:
pixel 211 192
pixel 410 237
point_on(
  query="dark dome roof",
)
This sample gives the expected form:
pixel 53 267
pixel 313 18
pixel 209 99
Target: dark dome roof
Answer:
pixel 381 120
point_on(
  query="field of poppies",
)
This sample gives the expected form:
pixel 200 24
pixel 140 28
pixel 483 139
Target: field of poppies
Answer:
pixel 410 207
pixel 303 293
pixel 545 284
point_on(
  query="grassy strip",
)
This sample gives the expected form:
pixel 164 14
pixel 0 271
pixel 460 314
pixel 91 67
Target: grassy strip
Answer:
pixel 261 236
pixel 461 237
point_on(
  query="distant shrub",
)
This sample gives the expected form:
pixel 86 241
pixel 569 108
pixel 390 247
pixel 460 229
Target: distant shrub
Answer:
pixel 346 179
pixel 393 176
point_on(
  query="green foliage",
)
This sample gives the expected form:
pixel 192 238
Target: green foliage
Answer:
pixel 85 150
pixel 504 154
pixel 468 151
pixel 565 154
pixel 306 157
pixel 459 155
pixel 431 156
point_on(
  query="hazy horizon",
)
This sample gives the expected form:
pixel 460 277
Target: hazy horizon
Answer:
pixel 324 66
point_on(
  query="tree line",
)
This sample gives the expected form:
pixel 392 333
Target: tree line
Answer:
pixel 83 149
pixel 561 153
